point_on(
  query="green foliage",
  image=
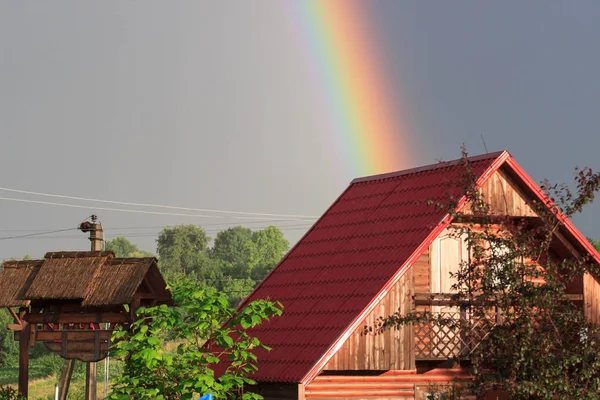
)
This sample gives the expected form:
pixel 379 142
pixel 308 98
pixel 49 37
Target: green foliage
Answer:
pixel 539 345
pixel 122 247
pixel 9 348
pixel 271 246
pixel 206 344
pixel 9 393
pixel 595 243
pixel 182 251
pixel 236 289
pixel 237 252
pixel 238 260
pixel 249 255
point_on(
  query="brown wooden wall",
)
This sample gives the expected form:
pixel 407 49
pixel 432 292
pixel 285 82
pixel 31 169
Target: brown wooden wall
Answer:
pixel 392 350
pixel 591 298
pixel 505 197
pixel 406 385
pixel 422 274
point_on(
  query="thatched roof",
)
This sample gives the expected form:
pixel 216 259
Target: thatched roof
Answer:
pixel 117 281
pixel 92 278
pixel 66 275
pixel 15 278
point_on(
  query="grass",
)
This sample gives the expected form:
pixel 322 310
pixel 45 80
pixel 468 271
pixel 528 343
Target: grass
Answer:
pixel 43 376
pixel 10 375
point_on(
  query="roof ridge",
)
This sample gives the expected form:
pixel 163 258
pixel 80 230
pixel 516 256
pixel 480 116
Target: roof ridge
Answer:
pixel 430 167
pixel 78 254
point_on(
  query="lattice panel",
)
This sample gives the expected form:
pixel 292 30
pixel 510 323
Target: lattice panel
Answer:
pixel 458 339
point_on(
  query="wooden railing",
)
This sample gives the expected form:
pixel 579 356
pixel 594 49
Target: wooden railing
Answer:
pixel 455 338
pixel 459 333
pixel 454 334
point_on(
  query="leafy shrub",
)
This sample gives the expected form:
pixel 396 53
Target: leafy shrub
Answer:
pixel 9 393
pixel 209 331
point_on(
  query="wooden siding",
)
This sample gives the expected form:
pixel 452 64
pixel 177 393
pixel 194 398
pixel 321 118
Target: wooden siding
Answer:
pixel 591 296
pixel 422 274
pixel 392 350
pixel 505 197
pixel 390 385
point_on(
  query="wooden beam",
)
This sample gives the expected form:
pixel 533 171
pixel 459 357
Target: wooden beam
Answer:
pixel 14 327
pixel 14 315
pixel 75 335
pixel 445 299
pixel 148 285
pixel 63 318
pixel 301 392
pixel 565 242
pixel 24 360
pixel 90 381
pixel 65 379
pixel 65 348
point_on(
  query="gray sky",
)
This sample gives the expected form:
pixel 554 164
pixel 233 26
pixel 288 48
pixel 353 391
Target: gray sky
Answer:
pixel 212 105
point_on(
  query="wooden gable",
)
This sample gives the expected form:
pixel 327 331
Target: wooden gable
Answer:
pixel 391 350
pixel 505 196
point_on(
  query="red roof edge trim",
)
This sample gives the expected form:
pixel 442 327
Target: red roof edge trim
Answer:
pixel 446 220
pixel 534 187
pixel 246 300
pixel 430 167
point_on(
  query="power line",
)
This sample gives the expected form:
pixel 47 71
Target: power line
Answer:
pixel 36 234
pixel 126 235
pixel 265 221
pixel 131 210
pixel 141 235
pixel 125 203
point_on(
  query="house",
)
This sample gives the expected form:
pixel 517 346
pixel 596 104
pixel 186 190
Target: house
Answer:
pixel 381 248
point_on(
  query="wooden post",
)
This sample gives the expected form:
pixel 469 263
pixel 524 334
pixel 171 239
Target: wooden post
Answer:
pixel 24 356
pixel 90 381
pixel 65 379
pixel 499 317
pixel 96 239
pixel 464 325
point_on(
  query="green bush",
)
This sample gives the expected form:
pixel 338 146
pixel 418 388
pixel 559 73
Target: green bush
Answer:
pixel 9 393
pixel 152 372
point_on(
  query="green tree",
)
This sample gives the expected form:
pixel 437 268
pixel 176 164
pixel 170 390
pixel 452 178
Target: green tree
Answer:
pixel 270 246
pixel 183 252
pixel 9 348
pixel 236 289
pixel 209 332
pixel 595 243
pixel 540 345
pixel 249 255
pixel 236 251
pixel 122 247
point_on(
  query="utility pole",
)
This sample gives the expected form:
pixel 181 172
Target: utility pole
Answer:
pixel 96 239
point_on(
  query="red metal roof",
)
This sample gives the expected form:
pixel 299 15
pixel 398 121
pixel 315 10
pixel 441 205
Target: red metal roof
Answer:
pixel 348 259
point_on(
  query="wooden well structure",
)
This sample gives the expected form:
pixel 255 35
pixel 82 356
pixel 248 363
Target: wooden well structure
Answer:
pixel 72 302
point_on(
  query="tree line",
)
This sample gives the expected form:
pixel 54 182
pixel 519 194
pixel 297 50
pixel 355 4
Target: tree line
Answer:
pixel 237 261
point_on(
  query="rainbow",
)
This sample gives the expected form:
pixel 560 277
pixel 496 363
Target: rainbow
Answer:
pixel 359 96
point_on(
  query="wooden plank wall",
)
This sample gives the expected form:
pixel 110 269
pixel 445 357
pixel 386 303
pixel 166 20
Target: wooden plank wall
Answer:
pixel 505 197
pixel 591 297
pixel 392 350
pixel 407 385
